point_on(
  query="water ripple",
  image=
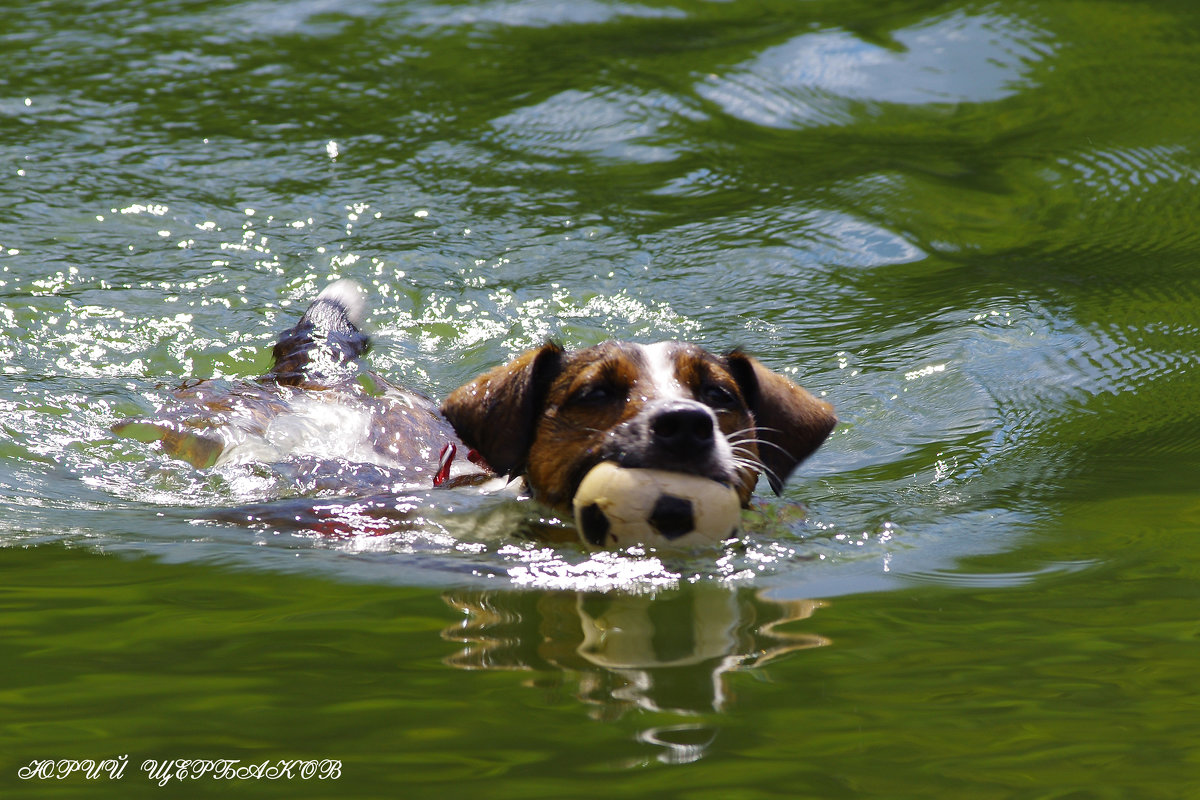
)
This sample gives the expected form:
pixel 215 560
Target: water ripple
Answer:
pixel 533 13
pixel 820 78
pixel 1135 197
pixel 613 124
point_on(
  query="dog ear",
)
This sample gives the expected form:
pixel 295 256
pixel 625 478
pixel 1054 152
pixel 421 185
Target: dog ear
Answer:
pixel 497 413
pixel 791 423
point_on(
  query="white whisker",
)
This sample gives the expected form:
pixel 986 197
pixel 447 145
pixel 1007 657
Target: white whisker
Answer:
pixel 766 442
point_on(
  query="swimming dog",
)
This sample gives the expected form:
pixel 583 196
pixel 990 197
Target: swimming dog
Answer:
pixel 546 418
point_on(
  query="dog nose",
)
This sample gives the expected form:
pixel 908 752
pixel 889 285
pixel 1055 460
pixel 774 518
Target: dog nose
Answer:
pixel 683 429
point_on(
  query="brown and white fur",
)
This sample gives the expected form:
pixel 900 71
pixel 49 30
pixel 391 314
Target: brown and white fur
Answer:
pixel 552 415
pixel 547 417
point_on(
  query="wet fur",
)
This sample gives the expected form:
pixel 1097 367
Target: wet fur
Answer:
pixel 551 415
pixel 547 417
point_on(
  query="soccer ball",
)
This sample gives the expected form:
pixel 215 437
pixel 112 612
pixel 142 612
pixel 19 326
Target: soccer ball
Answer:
pixel 618 507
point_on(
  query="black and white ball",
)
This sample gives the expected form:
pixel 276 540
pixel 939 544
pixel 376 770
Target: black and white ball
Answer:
pixel 618 507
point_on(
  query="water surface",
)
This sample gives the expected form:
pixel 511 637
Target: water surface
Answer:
pixel 972 227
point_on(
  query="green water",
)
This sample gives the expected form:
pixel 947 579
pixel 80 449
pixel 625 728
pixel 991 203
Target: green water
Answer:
pixel 972 227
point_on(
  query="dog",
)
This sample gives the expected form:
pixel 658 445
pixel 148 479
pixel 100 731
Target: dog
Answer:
pixel 546 419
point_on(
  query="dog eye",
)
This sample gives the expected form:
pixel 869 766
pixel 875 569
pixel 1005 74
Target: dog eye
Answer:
pixel 717 396
pixel 597 394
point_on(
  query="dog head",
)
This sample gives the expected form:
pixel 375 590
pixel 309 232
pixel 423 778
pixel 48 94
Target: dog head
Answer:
pixel 551 415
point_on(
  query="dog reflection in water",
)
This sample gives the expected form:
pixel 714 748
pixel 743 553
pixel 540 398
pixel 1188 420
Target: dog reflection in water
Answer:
pixel 666 653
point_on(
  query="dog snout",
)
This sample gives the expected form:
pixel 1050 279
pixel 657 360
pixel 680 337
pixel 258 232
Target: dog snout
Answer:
pixel 683 429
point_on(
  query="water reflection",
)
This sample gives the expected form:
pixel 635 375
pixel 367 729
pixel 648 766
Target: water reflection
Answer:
pixel 666 653
pixel 817 78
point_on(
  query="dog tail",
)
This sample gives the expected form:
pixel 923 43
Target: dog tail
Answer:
pixel 326 341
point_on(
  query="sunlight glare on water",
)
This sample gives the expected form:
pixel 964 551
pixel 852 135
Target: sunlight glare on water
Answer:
pixel 969 227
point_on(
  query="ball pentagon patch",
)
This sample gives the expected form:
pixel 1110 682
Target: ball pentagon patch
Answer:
pixel 618 507
pixel 672 516
pixel 593 525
